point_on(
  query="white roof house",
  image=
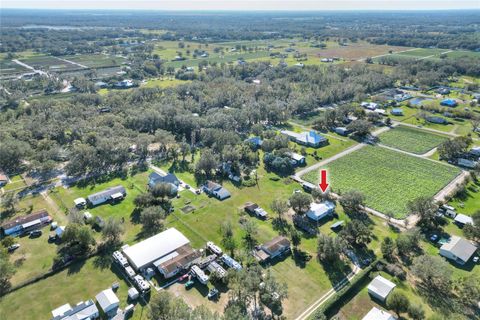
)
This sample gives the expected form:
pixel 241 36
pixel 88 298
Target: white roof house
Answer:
pixel 377 314
pixel 61 310
pixel 108 301
pixel 380 288
pixel 84 310
pixel 318 211
pixel 154 248
pixel 458 250
pixel 463 219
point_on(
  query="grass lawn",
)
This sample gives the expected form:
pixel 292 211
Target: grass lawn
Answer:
pixel 163 83
pixel 469 202
pixel 387 178
pixel 79 282
pixel 411 139
pixel 16 182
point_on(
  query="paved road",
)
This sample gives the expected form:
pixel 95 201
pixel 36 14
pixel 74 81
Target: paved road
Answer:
pixel 310 310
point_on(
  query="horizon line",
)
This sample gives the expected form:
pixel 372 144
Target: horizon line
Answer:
pixel 244 10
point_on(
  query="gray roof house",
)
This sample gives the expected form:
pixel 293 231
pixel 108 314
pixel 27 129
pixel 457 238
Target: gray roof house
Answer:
pixel 214 189
pixel 84 310
pixel 308 138
pixel 458 250
pixel 108 302
pixel 380 288
pixel 170 178
pixel 113 193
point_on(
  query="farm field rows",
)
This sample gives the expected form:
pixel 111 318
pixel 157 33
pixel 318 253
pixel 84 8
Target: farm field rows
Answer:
pixel 389 179
pixel 411 140
pixel 96 60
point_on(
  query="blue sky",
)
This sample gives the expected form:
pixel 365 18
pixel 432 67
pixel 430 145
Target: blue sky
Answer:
pixel 302 5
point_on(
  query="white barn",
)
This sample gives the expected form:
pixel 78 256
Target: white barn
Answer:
pixel 144 253
pixel 380 288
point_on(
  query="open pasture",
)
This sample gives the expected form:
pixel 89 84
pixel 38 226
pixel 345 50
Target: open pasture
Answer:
pixel 411 139
pixel 96 60
pixel 389 179
pixel 49 63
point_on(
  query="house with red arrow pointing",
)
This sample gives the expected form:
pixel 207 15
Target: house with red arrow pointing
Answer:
pixel 319 211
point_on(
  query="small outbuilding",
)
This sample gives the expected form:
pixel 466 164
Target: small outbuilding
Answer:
pixel 133 293
pixel 80 202
pixel 378 314
pixel 108 302
pixel 380 288
pixel 462 219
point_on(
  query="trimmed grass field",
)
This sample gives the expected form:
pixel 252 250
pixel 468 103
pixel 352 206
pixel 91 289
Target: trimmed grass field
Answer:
pixel 389 179
pixel 411 139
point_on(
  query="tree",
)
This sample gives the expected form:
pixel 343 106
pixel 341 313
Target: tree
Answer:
pixel 356 233
pixel 416 312
pixel 152 219
pixel 473 231
pixel 251 230
pixel 329 248
pixel 280 207
pixel 426 210
pixel 300 202
pixel 228 240
pixel 272 293
pixel 112 230
pixel 407 243
pixel 433 272
pixel 295 238
pixel 388 248
pixel 452 149
pixel 319 315
pixel 163 306
pixel 9 200
pixel 207 163
pixel 8 241
pixel 398 302
pixel 7 270
pixel 78 238
pixel 360 127
pixel 352 202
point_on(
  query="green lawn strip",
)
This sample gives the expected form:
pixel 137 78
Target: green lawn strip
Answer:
pixel 389 179
pixel 468 202
pixel 411 139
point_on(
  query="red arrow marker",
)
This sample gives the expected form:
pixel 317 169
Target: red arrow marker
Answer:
pixel 323 180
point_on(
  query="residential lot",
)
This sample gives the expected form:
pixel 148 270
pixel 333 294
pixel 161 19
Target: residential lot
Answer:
pixel 411 139
pixel 387 178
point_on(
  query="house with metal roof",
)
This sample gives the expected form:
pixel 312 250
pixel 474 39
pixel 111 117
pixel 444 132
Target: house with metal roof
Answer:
pixel 3 179
pixel 170 179
pixel 215 190
pixel 23 224
pixel 380 288
pixel 113 193
pixel 462 219
pixel 84 310
pixel 319 211
pixel 449 103
pixel 308 138
pixel 171 265
pixel 458 250
pixel 108 302
pixel 160 246
pixel 272 249
pixel 378 314
pixel 397 112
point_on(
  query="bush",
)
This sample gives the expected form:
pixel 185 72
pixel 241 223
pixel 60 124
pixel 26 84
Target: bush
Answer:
pixel 396 271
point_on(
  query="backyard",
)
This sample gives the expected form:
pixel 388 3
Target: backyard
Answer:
pixel 389 179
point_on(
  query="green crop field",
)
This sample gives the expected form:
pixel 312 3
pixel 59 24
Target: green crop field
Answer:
pixel 411 139
pixel 96 60
pixel 389 179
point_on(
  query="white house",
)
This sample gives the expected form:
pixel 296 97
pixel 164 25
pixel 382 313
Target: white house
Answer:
pixel 106 195
pixel 108 301
pixel 84 310
pixel 462 219
pixel 377 314
pixel 458 250
pixel 380 288
pixel 318 211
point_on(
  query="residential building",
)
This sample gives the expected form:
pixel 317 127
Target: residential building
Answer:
pixel 397 112
pixel 273 248
pixel 171 265
pixel 449 103
pixel 110 194
pixel 108 302
pixel 297 159
pixel 170 178
pixel 160 246
pixel 308 138
pixel 84 310
pixel 127 83
pixel 435 119
pixel 462 219
pixel 467 163
pixel 319 211
pixel 369 105
pixel 256 210
pixel 380 288
pixel 3 179
pixel 343 131
pixel 458 250
pixel 215 190
pixel 23 224
pixel 377 314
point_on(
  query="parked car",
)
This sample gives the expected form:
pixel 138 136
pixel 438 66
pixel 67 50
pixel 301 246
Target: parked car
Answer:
pixel 434 238
pixel 475 259
pixel 13 247
pixel 184 277
pixel 212 293
pixel 35 233
pixel 189 284
pixel 52 237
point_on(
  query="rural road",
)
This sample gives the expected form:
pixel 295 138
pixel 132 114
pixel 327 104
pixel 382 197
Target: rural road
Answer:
pixel 72 62
pixel 387 54
pixel 30 67
pixel 310 310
